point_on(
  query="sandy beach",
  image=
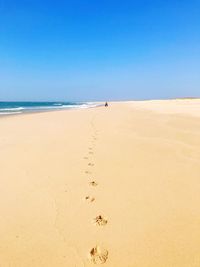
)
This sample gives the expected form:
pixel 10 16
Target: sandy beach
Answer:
pixel 117 186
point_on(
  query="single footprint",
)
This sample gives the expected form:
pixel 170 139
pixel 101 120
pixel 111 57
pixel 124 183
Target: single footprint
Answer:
pixel 90 164
pixel 98 255
pixel 85 157
pixel 90 148
pixel 91 152
pixel 93 183
pixel 87 172
pixel 89 199
pixel 100 220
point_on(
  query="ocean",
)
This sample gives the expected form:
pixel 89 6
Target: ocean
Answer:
pixel 13 108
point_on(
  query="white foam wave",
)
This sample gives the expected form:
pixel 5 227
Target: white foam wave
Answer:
pixel 10 113
pixel 11 109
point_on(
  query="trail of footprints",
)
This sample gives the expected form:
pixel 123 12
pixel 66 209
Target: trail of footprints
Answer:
pixel 98 254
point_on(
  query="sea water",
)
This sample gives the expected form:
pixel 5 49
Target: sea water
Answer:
pixel 13 108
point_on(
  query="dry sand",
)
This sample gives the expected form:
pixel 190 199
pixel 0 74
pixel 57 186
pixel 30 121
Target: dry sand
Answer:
pixel 119 186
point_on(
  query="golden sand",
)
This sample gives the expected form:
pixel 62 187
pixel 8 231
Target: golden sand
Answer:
pixel 138 161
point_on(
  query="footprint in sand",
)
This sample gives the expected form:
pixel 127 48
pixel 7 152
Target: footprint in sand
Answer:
pixel 98 255
pixel 90 164
pixel 89 199
pixel 91 152
pixel 85 157
pixel 93 183
pixel 100 220
pixel 87 172
pixel 90 148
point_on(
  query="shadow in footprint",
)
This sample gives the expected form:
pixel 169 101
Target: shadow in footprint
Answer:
pixel 93 183
pixel 98 255
pixel 91 164
pixel 100 221
pixel 89 199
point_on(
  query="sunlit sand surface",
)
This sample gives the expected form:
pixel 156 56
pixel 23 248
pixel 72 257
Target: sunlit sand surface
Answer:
pixel 116 186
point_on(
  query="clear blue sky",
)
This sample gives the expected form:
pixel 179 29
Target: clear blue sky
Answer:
pixel 99 49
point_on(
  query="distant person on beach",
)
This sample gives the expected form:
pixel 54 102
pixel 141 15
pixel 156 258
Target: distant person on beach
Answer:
pixel 106 104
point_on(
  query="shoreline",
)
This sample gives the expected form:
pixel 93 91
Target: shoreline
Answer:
pixel 101 104
pixel 45 111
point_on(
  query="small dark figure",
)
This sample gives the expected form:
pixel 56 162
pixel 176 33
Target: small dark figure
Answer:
pixel 106 104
